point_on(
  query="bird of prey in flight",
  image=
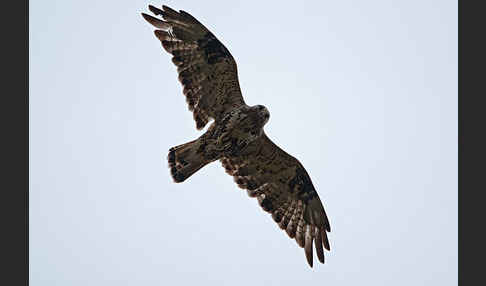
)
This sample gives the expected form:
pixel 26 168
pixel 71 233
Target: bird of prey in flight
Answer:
pixel 208 74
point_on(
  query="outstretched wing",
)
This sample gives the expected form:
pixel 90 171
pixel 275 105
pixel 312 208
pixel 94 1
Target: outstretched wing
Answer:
pixel 206 68
pixel 284 189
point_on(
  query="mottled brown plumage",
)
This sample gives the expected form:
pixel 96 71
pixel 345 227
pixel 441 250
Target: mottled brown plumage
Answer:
pixel 209 78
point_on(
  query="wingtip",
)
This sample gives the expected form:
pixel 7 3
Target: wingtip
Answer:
pixel 167 8
pixel 145 16
pixel 318 246
pixel 309 261
pixel 308 246
pixel 155 10
pixel 325 240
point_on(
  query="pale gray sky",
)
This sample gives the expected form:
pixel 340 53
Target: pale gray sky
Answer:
pixel 363 93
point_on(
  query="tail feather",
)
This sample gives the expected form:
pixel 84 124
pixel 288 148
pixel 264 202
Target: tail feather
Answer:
pixel 185 160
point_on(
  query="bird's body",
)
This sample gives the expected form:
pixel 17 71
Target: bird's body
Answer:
pixel 208 74
pixel 228 138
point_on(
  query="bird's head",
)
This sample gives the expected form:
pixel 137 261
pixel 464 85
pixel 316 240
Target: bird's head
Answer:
pixel 262 113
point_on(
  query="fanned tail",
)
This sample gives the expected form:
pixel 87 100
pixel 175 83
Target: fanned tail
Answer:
pixel 185 160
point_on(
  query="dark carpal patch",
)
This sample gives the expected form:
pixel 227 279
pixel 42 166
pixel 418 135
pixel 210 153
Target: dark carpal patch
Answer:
pixel 213 48
pixel 302 182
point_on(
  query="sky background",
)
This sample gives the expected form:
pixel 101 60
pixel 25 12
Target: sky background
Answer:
pixel 363 93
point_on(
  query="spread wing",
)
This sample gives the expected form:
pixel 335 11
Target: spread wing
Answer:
pixel 284 189
pixel 206 68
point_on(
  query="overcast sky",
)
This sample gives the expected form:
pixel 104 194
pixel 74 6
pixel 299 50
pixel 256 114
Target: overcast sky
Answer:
pixel 363 93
